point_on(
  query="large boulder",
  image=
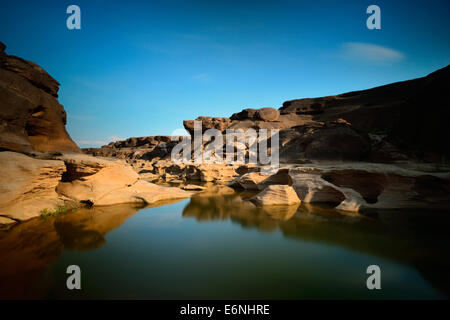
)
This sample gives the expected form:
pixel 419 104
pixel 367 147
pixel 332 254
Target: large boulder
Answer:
pixel 276 195
pixel 31 117
pixel 259 181
pixel 101 182
pixel 28 185
pixel 268 114
pixel 91 188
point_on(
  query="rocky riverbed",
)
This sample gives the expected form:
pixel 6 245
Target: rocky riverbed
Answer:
pixel 381 148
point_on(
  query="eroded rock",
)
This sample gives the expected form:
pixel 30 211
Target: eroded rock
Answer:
pixel 31 117
pixel 28 185
pixel 276 195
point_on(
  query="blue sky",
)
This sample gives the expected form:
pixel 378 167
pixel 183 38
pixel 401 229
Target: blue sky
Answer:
pixel 139 68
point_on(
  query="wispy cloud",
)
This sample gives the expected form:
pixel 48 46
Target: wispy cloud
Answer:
pixel 98 142
pixel 370 53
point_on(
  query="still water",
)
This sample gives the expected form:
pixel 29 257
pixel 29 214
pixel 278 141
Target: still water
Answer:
pixel 218 246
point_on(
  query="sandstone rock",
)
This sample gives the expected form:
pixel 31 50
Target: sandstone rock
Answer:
pixel 276 195
pixel 31 117
pixel 216 172
pixel 330 141
pixel 28 185
pixel 259 181
pixel 141 192
pixel 244 115
pixel 400 110
pixel 360 186
pixel 208 123
pixel 102 182
pixel 148 176
pixel 90 189
pixel 268 114
pixel 248 181
pixel 311 188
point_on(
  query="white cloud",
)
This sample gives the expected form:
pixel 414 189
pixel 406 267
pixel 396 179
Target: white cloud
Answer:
pixel 370 52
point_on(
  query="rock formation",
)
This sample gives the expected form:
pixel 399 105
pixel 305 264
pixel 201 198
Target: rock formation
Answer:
pixel 387 124
pixel 328 147
pixel 28 185
pixel 42 171
pixel 275 195
pixel 31 119
pixel 360 186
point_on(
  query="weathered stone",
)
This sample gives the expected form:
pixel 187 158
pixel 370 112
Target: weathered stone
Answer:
pixel 359 186
pixel 31 117
pixel 244 115
pixel 268 114
pixel 141 192
pixel 28 185
pixel 276 195
pixel 92 188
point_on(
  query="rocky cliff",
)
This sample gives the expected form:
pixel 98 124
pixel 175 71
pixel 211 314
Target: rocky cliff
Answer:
pixel 31 118
pixel 395 122
pixel 42 171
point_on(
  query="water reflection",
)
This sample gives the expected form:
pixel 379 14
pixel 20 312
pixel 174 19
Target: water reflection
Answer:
pixel 30 247
pixel 418 239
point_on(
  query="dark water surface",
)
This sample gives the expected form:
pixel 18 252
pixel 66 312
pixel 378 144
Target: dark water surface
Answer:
pixel 220 246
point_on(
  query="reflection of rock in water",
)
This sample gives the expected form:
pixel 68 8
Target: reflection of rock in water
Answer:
pixel 28 249
pixel 75 238
pixel 416 238
pixel 85 230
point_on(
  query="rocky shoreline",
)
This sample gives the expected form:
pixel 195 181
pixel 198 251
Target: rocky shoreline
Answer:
pixel 381 148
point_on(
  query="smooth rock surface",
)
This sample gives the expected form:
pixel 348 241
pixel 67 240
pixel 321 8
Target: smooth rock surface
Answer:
pixel 276 195
pixel 28 185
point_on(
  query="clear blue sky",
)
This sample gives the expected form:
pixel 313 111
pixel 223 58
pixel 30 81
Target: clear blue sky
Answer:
pixel 139 68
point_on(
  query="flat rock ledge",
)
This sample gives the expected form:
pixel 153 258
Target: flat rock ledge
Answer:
pixel 35 186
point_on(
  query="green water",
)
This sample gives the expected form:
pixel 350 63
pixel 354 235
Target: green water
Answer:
pixel 220 247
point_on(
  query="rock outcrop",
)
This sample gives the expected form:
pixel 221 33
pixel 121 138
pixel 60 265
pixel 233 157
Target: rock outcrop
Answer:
pixel 143 148
pixel 361 186
pixel 32 187
pixel 31 119
pixel 28 185
pixel 340 127
pixel 275 195
pixel 110 182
